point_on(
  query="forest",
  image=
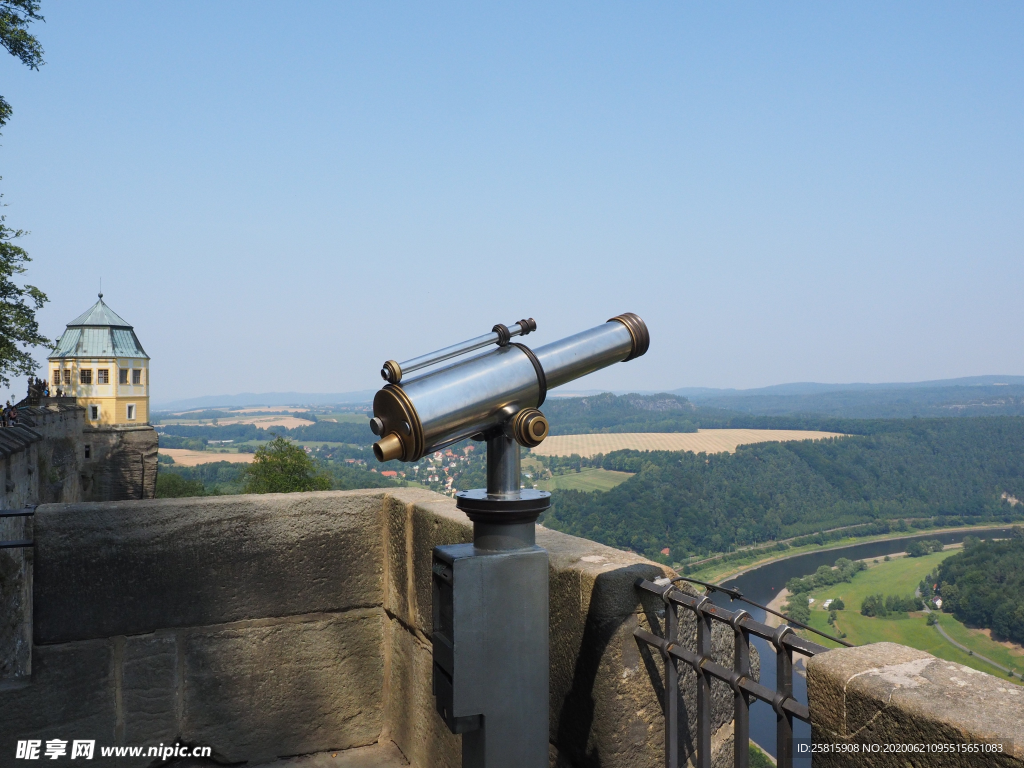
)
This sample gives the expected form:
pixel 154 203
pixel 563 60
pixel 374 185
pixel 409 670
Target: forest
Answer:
pixel 983 586
pixel 902 469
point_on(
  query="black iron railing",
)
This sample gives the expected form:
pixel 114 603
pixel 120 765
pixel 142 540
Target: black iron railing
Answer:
pixel 745 689
pixel 18 543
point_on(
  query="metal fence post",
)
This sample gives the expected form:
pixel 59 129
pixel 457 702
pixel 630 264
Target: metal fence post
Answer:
pixel 741 704
pixel 671 685
pixel 784 686
pixel 703 687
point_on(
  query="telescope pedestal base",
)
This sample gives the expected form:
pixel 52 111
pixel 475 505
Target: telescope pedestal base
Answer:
pixel 521 507
pixel 490 638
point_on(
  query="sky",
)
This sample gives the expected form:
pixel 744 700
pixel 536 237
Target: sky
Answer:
pixel 281 197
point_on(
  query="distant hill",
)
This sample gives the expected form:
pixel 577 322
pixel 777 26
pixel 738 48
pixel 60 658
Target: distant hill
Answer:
pixel 974 396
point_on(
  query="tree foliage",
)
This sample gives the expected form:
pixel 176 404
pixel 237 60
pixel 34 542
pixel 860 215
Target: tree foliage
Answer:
pixel 18 304
pixel 172 485
pixel 698 503
pixel 15 18
pixel 983 586
pixel 283 467
pixel 882 606
pixel 922 548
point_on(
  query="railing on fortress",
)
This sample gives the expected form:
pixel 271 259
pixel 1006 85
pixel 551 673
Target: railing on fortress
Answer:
pixel 784 639
pixel 18 543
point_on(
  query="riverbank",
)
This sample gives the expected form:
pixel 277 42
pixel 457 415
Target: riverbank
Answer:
pixel 733 570
pixel 901 576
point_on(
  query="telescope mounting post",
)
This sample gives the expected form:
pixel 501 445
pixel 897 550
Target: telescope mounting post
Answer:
pixel 491 663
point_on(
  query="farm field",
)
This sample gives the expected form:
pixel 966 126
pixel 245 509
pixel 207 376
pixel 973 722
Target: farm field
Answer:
pixel 587 480
pixel 186 458
pixel 901 576
pixel 275 420
pixel 701 441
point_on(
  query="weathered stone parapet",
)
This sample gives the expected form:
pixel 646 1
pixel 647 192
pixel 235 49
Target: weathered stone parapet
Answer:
pixel 887 694
pixel 604 706
pixel 125 568
pixel 274 625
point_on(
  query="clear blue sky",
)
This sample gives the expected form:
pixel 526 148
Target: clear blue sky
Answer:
pixel 282 196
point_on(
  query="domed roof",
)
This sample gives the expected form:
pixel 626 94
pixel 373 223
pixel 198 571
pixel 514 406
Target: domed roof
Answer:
pixel 99 332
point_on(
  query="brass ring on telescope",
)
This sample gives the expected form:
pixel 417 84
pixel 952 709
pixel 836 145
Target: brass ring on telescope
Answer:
pixel 529 427
pixel 391 372
pixel 542 379
pixel 396 410
pixel 637 330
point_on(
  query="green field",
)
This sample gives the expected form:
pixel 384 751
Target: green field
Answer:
pixel 587 480
pixel 901 576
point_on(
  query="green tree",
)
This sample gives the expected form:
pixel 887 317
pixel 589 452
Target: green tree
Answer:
pixel 18 304
pixel 283 467
pixel 15 17
pixel 171 485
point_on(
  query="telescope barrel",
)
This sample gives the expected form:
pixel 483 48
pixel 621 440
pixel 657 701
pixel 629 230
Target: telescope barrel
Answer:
pixel 472 396
pixel 393 372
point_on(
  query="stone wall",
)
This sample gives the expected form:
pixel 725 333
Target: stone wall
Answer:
pixel 869 698
pixel 122 463
pixel 40 462
pixel 274 625
pixel 41 458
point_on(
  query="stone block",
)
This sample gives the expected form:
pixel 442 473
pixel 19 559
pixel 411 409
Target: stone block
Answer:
pixel 406 538
pixel 412 721
pixel 886 693
pixel 125 568
pixel 71 696
pixel 149 690
pixel 257 691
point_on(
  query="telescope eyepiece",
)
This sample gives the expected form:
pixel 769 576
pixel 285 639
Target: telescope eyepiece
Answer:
pixel 388 448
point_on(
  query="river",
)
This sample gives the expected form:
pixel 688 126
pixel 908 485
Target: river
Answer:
pixel 762 585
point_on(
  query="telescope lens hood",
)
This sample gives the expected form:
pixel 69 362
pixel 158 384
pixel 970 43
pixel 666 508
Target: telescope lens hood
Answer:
pixel 638 330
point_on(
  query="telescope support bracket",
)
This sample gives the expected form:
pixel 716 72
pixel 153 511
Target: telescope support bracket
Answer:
pixel 490 627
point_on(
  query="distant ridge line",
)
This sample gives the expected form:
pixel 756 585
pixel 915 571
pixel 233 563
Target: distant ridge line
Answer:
pixel 695 393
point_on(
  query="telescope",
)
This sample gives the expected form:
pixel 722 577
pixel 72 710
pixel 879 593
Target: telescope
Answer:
pixel 490 598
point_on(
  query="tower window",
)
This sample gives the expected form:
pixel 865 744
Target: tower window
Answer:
pixel 122 376
pixel 88 451
pixel 131 411
pixel 67 376
pixel 94 412
pixel 102 376
pixel 137 376
pixel 56 376
pixel 85 376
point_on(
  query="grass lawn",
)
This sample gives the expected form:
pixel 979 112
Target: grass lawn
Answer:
pixel 901 576
pixel 587 480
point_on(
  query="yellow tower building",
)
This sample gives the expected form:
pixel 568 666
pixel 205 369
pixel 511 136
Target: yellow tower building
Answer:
pixel 100 361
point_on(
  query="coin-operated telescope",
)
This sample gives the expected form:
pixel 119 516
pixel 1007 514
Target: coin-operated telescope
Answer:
pixel 490 598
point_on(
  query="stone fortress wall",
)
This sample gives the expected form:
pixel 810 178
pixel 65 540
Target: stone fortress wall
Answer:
pixel 291 624
pixel 52 456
